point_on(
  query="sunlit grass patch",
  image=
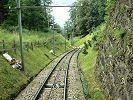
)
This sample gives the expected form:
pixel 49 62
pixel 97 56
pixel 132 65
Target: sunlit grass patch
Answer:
pixel 87 64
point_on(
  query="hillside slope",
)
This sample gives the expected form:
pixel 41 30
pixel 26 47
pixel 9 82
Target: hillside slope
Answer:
pixel 13 80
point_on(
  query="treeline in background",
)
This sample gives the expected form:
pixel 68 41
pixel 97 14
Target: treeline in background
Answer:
pixel 87 15
pixel 38 19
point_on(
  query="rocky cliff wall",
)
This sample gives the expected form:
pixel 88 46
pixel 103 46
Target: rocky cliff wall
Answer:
pixel 122 14
pixel 114 66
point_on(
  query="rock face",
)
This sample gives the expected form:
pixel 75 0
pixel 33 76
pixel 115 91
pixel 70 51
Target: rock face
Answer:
pixel 122 14
pixel 114 66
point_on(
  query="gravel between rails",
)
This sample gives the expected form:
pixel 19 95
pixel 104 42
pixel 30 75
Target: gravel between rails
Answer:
pixel 75 89
pixel 32 88
pixel 56 93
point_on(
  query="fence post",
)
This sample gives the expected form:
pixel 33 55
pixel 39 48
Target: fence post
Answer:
pixel 44 43
pixel 4 49
pixel 38 44
pixel 32 47
pixel 35 44
pixel 14 46
pixel 27 46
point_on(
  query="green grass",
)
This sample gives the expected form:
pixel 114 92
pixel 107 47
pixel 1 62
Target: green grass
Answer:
pixel 87 64
pixel 78 41
pixel 88 61
pixel 13 80
pixel 28 36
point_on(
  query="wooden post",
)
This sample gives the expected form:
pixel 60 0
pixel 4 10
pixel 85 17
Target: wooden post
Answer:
pixel 44 43
pixel 27 46
pixel 35 44
pixel 38 44
pixel 4 48
pixel 32 47
pixel 14 46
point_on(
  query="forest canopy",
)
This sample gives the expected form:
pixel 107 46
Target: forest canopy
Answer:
pixel 86 15
pixel 32 18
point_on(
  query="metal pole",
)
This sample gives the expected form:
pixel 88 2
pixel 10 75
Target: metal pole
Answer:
pixel 72 38
pixel 65 39
pixel 66 36
pixel 65 42
pixel 53 38
pixel 20 33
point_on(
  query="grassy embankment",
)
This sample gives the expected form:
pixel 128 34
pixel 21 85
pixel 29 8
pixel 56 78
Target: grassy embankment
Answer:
pixel 13 80
pixel 87 64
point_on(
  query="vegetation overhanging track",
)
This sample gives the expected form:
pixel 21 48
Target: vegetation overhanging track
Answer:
pixel 37 94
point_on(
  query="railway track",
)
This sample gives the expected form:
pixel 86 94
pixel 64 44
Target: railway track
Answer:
pixel 52 83
pixel 55 85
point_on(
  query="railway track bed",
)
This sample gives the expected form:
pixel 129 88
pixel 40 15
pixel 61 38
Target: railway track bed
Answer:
pixel 56 82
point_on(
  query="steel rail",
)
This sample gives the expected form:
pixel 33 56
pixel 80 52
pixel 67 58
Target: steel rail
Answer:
pixel 55 80
pixel 49 75
pixel 66 77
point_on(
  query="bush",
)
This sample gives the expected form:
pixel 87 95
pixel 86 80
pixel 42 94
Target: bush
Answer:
pixel 85 48
pixel 85 45
pixel 119 32
pixel 89 43
pixel 84 51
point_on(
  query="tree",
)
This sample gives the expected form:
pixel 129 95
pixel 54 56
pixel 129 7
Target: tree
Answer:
pixel 32 19
pixel 8 15
pixel 36 18
pixel 57 28
pixel 87 15
pixel 68 29
pixel 2 10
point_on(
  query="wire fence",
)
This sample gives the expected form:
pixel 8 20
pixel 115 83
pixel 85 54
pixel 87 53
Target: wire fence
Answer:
pixel 14 45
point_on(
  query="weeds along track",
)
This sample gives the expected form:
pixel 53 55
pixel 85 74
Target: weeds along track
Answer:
pixel 51 83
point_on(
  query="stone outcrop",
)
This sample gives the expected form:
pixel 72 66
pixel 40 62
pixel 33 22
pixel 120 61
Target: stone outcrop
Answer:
pixel 114 66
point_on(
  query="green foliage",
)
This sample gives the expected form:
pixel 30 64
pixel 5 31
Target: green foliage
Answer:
pixel 10 13
pixel 32 19
pixel 57 28
pixel 109 8
pixel 68 29
pixel 87 15
pixel 98 36
pixel 89 43
pixel 85 45
pixel 119 32
pixel 84 51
